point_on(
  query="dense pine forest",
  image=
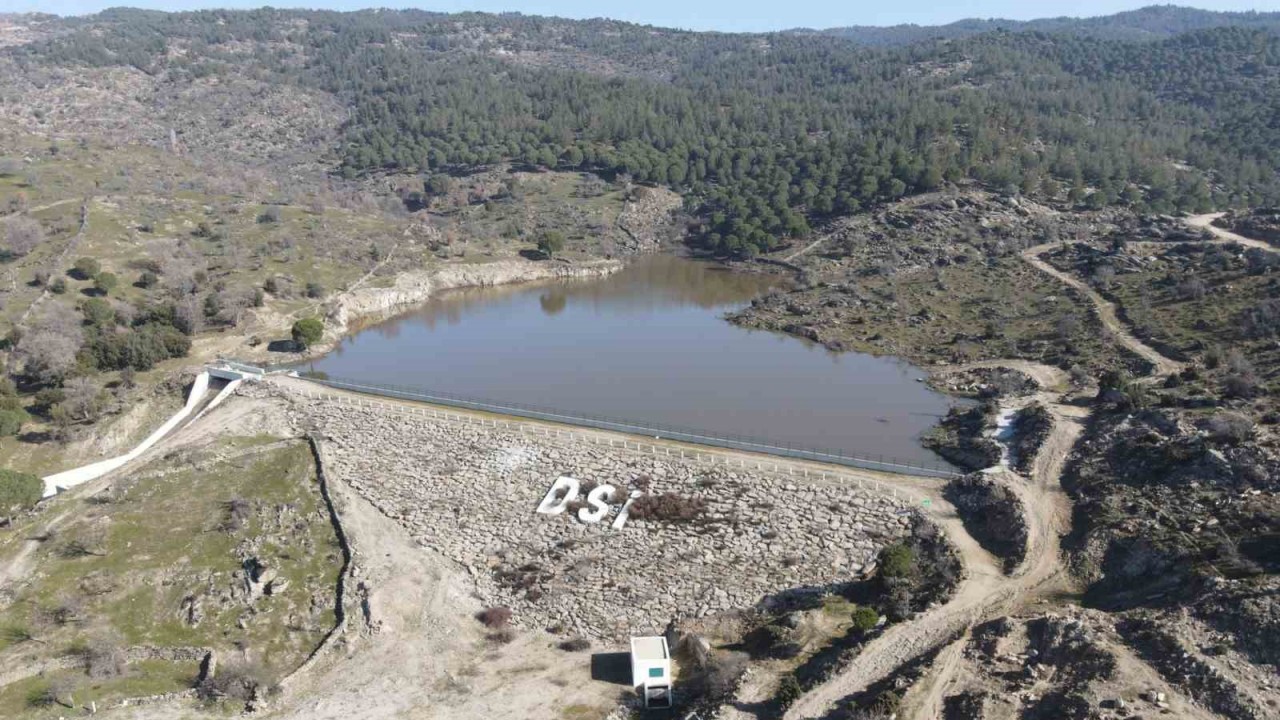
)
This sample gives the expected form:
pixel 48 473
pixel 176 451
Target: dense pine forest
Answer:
pixel 765 135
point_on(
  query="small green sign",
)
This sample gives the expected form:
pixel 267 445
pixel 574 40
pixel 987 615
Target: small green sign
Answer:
pixel 655 672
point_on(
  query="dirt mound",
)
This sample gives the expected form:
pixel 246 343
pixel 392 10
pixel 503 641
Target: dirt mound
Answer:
pixel 993 515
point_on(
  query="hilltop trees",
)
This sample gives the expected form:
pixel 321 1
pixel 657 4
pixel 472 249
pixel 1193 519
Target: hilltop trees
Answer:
pixel 763 143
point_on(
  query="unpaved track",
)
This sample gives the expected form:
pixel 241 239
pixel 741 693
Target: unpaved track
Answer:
pixel 981 595
pixel 985 592
pixel 1106 312
pixel 1205 222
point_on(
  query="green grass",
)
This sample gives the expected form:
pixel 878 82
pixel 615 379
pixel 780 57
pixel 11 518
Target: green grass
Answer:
pixel 164 541
pixel 150 677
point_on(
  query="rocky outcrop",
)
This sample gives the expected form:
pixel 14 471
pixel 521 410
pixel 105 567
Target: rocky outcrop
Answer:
pixel 962 438
pixel 1160 504
pixel 646 221
pixel 984 383
pixel 1180 665
pixel 413 288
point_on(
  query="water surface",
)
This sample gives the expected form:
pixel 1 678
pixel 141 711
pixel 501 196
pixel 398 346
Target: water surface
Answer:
pixel 649 344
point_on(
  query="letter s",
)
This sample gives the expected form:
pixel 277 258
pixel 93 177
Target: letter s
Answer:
pixel 599 500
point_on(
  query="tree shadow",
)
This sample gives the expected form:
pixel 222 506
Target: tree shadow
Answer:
pixel 283 346
pixel 34 437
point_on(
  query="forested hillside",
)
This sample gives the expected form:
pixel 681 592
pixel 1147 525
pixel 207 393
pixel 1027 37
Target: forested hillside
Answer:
pixel 1155 22
pixel 764 134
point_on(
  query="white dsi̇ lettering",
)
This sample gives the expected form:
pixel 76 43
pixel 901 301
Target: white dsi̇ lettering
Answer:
pixel 599 499
pixel 621 520
pixel 553 503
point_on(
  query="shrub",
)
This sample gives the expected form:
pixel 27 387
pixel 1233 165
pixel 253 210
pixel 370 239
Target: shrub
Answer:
pixel 105 282
pixel 887 703
pixel 551 242
pixel 865 618
pixel 237 511
pixel 576 644
pixel 1262 320
pixel 773 641
pixel 668 507
pixel 148 280
pixel 104 656
pixel 315 290
pixel 86 268
pixel 54 692
pixel 788 692
pixel 495 617
pixel 1230 427
pixel 242 681
pixel 1191 289
pixel 19 235
pixel 897 561
pixel 97 311
pixel 719 679
pixel 11 421
pixel 1240 385
pixel 270 215
pixel 19 490
pixel 307 332
pixel 68 610
pixel 91 540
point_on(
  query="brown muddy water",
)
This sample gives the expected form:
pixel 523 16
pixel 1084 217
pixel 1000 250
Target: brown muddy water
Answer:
pixel 649 344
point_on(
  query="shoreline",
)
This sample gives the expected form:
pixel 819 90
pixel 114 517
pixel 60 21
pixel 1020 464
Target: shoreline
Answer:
pixel 350 312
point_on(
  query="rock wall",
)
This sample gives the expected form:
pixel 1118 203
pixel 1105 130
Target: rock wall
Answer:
pixel 470 491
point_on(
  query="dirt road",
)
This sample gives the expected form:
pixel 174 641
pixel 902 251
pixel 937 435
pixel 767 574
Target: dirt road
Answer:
pixel 1205 222
pixel 1106 312
pixel 985 592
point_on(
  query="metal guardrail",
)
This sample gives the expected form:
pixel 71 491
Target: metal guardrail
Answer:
pixel 667 432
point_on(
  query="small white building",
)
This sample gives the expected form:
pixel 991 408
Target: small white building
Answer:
pixel 651 670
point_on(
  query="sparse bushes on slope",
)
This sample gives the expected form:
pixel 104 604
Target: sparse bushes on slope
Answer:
pixel 19 235
pixel 18 490
pixel 668 507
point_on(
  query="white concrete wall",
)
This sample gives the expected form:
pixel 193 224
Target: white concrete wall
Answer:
pixel 56 483
pixel 217 400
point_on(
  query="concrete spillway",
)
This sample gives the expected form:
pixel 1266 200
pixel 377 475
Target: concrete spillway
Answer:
pixel 210 388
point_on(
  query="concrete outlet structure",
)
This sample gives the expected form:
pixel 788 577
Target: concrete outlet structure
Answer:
pixel 651 670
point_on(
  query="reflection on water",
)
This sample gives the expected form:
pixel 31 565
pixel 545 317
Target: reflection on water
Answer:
pixel 648 344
